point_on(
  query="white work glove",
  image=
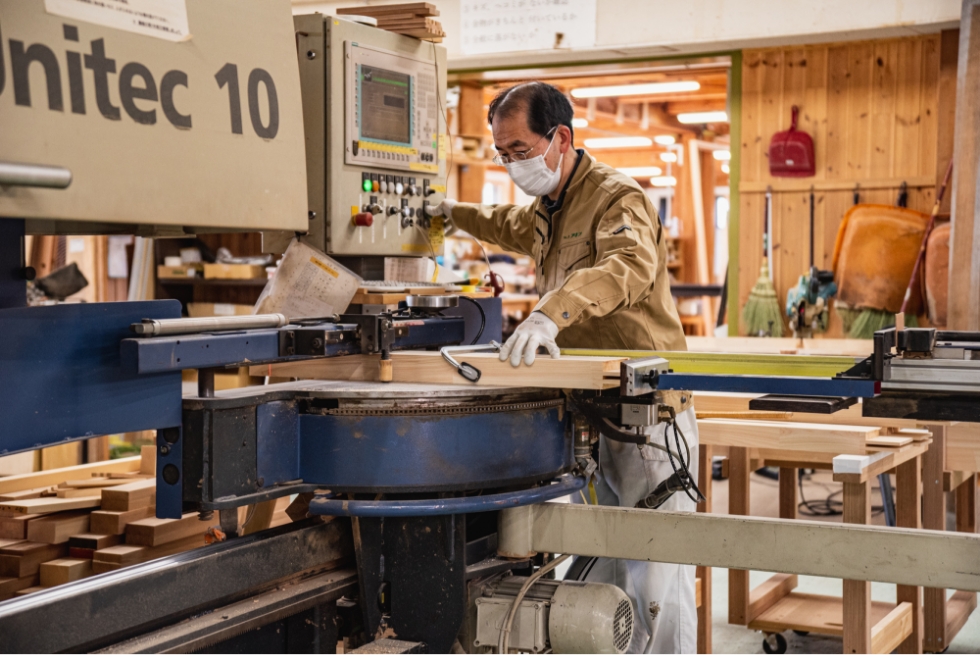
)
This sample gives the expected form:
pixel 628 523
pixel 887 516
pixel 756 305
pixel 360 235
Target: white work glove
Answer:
pixel 536 330
pixel 445 209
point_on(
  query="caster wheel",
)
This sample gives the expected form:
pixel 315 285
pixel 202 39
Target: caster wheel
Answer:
pixel 774 643
pixel 802 633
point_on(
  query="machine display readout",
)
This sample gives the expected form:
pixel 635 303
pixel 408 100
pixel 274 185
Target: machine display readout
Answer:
pixel 386 105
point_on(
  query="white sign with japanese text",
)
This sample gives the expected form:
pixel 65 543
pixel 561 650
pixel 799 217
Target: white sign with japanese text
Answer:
pixel 164 19
pixel 490 26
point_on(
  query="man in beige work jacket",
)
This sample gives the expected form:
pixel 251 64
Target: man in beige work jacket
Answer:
pixel 600 256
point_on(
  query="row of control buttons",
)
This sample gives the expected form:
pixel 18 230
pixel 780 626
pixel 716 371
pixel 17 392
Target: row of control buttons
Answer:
pixel 365 217
pixel 381 154
pixel 427 156
pixel 397 184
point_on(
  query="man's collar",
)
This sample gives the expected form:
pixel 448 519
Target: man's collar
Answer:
pixel 578 174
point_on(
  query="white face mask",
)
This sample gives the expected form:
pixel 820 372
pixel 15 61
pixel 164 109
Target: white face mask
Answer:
pixel 533 176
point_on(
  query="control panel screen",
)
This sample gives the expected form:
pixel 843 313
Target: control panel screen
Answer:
pixel 386 105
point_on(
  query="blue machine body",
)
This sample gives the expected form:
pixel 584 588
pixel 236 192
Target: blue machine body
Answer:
pixel 63 378
pixel 432 453
pixel 252 444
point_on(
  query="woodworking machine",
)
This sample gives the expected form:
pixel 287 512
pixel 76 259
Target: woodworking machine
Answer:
pixel 414 475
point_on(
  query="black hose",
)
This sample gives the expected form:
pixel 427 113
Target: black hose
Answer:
pixel 483 320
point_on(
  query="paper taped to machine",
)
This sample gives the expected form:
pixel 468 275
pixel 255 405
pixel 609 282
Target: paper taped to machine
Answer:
pixel 308 284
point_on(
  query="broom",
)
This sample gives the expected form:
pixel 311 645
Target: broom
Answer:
pixel 761 314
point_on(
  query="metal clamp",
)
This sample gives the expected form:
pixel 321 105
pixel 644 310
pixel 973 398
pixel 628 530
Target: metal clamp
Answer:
pixel 468 371
pixel 639 376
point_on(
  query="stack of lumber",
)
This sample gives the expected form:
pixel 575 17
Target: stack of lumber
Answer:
pixel 411 19
pixel 67 524
pixel 54 524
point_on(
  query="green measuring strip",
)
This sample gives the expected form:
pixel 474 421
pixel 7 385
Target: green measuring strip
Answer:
pixel 809 366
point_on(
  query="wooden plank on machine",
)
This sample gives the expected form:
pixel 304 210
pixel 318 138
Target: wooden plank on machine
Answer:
pixel 810 437
pixel 10 586
pixel 15 527
pixel 25 558
pixel 431 368
pixel 57 476
pixel 106 522
pixel 126 554
pixel 154 531
pixel 61 571
pixel 416 8
pixel 47 505
pixel 129 496
pixel 57 528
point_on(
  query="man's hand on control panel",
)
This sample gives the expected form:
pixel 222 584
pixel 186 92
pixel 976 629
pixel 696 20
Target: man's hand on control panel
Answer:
pixel 445 209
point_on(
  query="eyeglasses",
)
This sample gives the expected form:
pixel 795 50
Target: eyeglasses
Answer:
pixel 501 160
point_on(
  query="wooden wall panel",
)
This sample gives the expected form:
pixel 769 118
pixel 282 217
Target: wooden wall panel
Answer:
pixel 872 109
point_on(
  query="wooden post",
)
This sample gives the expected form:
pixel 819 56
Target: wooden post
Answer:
pixel 704 572
pixel 857 593
pixel 934 518
pixel 472 123
pixel 787 492
pixel 908 515
pixel 949 46
pixel 738 503
pixel 964 242
pixel 963 603
pixel 966 505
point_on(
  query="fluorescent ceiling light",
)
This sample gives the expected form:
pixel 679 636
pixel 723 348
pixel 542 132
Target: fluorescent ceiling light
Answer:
pixel 641 171
pixel 635 89
pixel 619 142
pixel 669 157
pixel 703 117
pixel 726 169
pixel 722 155
pixel 665 180
pixel 579 122
pixel 664 140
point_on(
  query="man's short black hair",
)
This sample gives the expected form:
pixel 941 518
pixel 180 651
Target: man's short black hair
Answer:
pixel 546 107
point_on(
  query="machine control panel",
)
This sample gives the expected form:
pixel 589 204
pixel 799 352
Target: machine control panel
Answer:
pixel 392 110
pixel 376 138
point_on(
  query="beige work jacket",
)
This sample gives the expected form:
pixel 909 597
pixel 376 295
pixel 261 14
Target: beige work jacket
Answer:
pixel 601 262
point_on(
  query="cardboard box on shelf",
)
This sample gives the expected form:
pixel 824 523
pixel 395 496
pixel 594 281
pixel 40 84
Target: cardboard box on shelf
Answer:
pixel 233 271
pixel 203 309
pixel 182 271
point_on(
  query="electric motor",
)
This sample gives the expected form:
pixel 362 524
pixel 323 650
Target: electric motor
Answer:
pixel 555 617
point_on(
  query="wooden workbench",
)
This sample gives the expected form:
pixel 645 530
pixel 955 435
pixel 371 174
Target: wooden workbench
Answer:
pixel 774 606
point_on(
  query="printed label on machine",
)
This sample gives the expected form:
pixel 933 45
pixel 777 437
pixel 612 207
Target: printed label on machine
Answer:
pixel 164 19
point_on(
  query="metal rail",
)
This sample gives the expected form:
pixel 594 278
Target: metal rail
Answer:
pixel 214 627
pixel 169 327
pixel 34 175
pixel 567 484
pixel 107 608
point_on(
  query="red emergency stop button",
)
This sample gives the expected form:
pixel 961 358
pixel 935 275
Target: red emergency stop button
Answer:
pixel 363 219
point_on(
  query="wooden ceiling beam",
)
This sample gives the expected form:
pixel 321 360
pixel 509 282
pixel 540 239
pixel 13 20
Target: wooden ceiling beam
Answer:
pixel 673 97
pixel 660 122
pixel 685 106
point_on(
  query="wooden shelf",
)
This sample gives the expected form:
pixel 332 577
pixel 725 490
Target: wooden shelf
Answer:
pixel 252 282
pixel 823 615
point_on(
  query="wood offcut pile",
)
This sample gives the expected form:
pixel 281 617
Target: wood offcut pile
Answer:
pixel 63 525
pixel 411 19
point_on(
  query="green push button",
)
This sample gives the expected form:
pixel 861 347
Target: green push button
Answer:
pixel 366 185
